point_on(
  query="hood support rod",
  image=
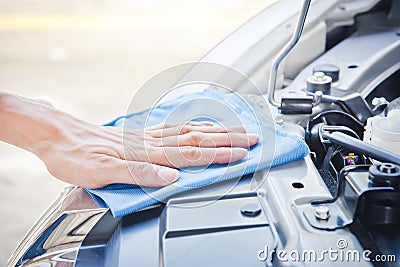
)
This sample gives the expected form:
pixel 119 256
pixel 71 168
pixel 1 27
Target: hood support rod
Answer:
pixel 284 52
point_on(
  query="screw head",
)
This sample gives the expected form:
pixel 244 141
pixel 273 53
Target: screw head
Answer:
pixel 261 193
pixel 387 168
pixel 330 70
pixel 319 76
pixel 322 213
pixel 379 101
pixel 251 210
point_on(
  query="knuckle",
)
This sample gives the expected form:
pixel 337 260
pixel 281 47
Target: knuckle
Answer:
pixel 191 153
pixel 143 169
pixel 186 129
pixel 104 162
pixel 194 138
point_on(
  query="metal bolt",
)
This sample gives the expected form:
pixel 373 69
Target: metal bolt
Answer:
pixel 387 168
pixel 261 193
pixel 251 210
pixel 317 98
pixel 322 213
pixel 319 76
pixel 377 101
pixel 319 82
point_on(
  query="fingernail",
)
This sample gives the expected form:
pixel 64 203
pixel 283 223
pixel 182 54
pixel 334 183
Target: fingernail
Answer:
pixel 167 174
pixel 253 138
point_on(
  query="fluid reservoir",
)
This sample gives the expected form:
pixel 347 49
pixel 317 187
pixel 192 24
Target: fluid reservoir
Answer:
pixel 384 132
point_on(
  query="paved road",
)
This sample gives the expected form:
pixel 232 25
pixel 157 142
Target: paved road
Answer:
pixel 88 58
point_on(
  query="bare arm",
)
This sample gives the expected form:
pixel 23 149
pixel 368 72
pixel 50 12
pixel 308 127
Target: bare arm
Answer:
pixel 93 156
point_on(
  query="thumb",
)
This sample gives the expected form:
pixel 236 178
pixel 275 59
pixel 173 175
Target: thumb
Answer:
pixel 142 173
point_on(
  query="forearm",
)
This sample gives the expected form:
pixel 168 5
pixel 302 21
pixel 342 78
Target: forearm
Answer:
pixel 28 124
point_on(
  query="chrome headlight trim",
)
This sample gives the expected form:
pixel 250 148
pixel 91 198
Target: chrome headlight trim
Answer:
pixel 58 234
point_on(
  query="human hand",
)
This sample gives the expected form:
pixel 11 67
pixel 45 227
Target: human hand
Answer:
pixel 94 156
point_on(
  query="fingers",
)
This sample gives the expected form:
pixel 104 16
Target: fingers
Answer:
pixel 140 173
pixel 194 156
pixel 150 157
pixel 154 175
pixel 201 139
pixel 163 125
pixel 192 127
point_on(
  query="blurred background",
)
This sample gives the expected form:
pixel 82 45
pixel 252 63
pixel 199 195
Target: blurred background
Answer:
pixel 88 58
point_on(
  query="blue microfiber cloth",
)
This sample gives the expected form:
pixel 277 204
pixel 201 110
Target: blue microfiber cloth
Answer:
pixel 275 147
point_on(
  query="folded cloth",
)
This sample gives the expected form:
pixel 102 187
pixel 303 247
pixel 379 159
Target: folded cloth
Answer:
pixel 275 147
